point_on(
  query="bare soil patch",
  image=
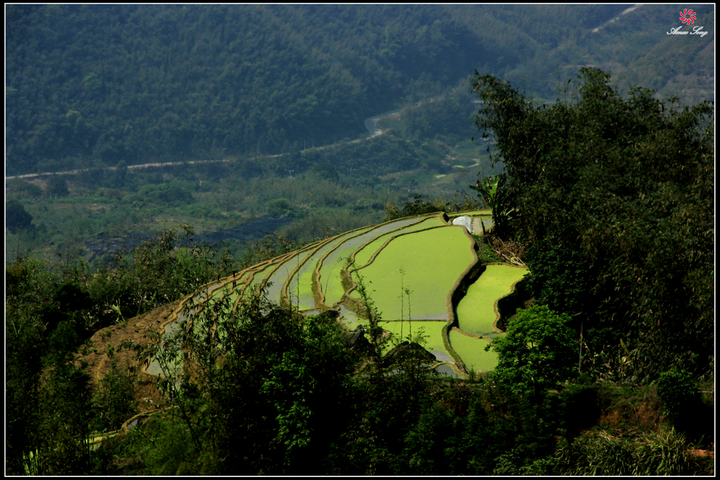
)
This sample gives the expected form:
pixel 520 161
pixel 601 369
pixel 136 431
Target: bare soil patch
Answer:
pixel 137 330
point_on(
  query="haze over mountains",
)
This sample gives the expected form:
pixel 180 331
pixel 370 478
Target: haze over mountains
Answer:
pixel 97 85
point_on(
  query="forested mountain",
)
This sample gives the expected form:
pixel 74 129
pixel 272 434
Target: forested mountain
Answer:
pixel 98 85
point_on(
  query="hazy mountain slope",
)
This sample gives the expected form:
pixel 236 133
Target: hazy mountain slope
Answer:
pixel 97 84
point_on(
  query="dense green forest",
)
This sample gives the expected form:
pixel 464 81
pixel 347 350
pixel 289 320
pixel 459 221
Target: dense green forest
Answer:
pixel 604 189
pixel 96 85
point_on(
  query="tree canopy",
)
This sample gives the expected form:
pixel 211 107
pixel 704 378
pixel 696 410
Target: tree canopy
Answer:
pixel 17 218
pixel 614 196
pixel 536 353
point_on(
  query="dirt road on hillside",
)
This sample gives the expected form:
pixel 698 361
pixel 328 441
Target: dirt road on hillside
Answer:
pixel 370 124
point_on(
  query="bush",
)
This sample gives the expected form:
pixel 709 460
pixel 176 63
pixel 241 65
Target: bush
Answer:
pixel 663 453
pixel 57 187
pixel 280 207
pixel 115 399
pixel 679 393
pixel 17 217
pixel 537 353
pixel 417 207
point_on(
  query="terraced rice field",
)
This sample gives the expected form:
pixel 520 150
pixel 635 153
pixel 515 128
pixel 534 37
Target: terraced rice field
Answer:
pixel 329 271
pixel 425 255
pixel 472 351
pixel 476 312
pixel 307 272
pixel 362 256
pixel 432 261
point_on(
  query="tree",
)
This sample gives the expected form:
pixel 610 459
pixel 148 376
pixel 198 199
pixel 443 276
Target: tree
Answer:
pixel 493 193
pixel 57 186
pixel 258 384
pixel 537 352
pixel 680 395
pixel 64 424
pixel 114 399
pixel 17 217
pixel 620 189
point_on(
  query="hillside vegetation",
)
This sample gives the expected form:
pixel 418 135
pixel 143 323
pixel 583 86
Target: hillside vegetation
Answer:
pixel 99 85
pixel 136 344
pixel 587 381
pixel 95 86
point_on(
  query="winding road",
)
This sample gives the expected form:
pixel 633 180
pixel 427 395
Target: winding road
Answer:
pixel 624 12
pixel 370 124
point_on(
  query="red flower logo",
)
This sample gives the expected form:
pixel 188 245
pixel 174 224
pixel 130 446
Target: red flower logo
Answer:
pixel 688 16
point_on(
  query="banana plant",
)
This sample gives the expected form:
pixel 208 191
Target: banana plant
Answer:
pixel 494 198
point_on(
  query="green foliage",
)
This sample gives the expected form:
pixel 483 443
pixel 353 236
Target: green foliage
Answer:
pixel 266 381
pixel 537 353
pixel 16 217
pixel 156 272
pixel 170 194
pixel 269 247
pixel 57 186
pixel 114 399
pixel 485 252
pixel 25 345
pixel 327 171
pixel 427 441
pixel 50 312
pixel 679 393
pixel 280 207
pixel 162 446
pixel 420 206
pixel 417 207
pixel 65 412
pixel 601 179
pixel 561 276
pixel 494 195
pixel 655 453
pixel 20 189
pixel 183 117
pixel 97 100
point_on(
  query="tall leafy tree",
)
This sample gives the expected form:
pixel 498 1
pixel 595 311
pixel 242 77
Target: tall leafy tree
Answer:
pixel 258 385
pixel 621 188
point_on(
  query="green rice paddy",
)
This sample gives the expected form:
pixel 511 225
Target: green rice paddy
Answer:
pixel 427 262
pixel 363 255
pixel 330 270
pixel 410 267
pixel 476 312
pixel 260 275
pixel 278 278
pixel 472 351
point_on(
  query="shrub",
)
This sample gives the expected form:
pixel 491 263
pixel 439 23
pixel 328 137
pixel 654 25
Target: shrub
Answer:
pixel 679 393
pixel 663 453
pixel 115 399
pixel 17 217
pixel 280 207
pixel 537 353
